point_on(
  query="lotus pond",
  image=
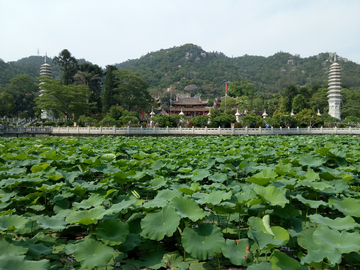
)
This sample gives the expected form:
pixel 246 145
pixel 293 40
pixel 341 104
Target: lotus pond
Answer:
pixel 197 203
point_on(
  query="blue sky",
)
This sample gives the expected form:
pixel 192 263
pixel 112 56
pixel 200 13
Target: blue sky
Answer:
pixel 112 31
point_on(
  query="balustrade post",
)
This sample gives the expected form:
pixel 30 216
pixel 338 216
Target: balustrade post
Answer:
pixel 205 129
pixel 78 129
pixel 114 130
pixel 309 130
pixel 141 130
pixel 272 130
pixel 193 130
pixel 246 130
pixel 167 129
pixel 297 130
pixel 280 130
pixel 89 129
pixel 180 130
pixel 335 129
pixel 321 130
pixel 260 130
pixel 350 129
pixel 100 129
pixel 128 130
pixel 219 130
pixel 68 129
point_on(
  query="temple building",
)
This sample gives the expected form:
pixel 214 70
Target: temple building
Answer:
pixel 189 106
pixel 334 92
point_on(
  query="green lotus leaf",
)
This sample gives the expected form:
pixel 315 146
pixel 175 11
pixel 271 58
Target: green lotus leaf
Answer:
pixel 310 203
pixel 311 161
pixel 175 261
pixel 215 197
pixel 263 178
pixel 12 222
pixel 238 254
pixel 281 261
pixel 156 203
pixel 346 223
pixel 16 262
pixel 167 194
pixel 153 259
pixel 55 176
pixel 200 174
pixel 272 195
pixel 280 234
pixel 185 170
pixel 157 165
pixel 260 266
pixel 131 242
pixel 36 250
pixel 329 239
pixel 318 186
pixel 318 256
pixel 202 242
pixel 108 157
pixel 218 177
pixel 263 239
pixel 87 216
pixel 118 207
pixel 53 223
pixel 39 167
pixel 156 225
pixel 348 206
pixel 158 182
pixel 91 253
pixel 282 169
pixel 311 175
pixel 187 207
pixel 93 201
pixel 10 248
pixel 141 155
pixel 112 232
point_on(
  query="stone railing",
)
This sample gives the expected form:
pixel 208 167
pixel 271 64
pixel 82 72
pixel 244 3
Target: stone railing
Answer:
pixel 200 131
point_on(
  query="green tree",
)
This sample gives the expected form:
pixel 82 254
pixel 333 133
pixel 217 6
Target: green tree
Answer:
pixel 7 104
pixel 66 100
pixel 109 84
pixel 230 103
pixel 308 118
pixel 68 64
pixel 23 89
pixel 350 102
pixel 200 121
pixel 223 120
pixel 299 103
pixel 319 100
pixel 288 94
pixel 131 91
pixel 252 121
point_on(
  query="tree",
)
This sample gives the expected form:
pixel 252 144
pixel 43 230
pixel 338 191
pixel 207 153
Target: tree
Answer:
pixel 308 118
pixel 252 121
pixel 66 100
pixel 319 99
pixel 68 65
pixel 223 120
pixel 200 121
pixel 287 98
pixel 90 75
pixel 230 103
pixel 131 91
pixel 299 103
pixel 23 89
pixel 7 104
pixel 109 84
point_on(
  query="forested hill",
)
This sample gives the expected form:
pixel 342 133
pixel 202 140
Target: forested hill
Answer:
pixel 206 71
pixel 189 64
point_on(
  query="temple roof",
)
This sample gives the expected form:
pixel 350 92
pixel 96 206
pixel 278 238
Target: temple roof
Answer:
pixel 188 100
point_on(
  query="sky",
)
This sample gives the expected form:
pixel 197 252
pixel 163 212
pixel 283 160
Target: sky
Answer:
pixel 106 32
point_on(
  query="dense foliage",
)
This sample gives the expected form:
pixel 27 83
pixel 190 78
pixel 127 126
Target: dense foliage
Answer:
pixel 202 202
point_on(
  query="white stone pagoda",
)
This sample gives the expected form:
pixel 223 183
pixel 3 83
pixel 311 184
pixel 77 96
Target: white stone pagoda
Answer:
pixel 45 71
pixel 334 91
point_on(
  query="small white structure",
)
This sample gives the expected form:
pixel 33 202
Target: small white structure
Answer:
pixel 151 115
pixel 318 113
pixel 237 116
pixel 292 112
pixel 264 115
pixel 334 92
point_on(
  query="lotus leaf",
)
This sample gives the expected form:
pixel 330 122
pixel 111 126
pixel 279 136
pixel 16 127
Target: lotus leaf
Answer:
pixel 10 248
pixel 200 174
pixel 93 201
pixel 174 260
pixel 91 253
pixel 39 167
pixel 311 161
pixel 153 259
pixel 156 225
pixel 260 266
pixel 16 262
pixel 215 197
pixel 263 178
pixel 281 261
pixel 329 239
pixel 12 222
pixel 187 207
pixel 311 175
pixel 346 223
pixel 310 203
pixel 272 195
pixel 238 252
pixel 112 232
pixel 53 223
pixel 348 206
pixel 118 207
pixel 108 157
pixel 87 216
pixel 203 242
